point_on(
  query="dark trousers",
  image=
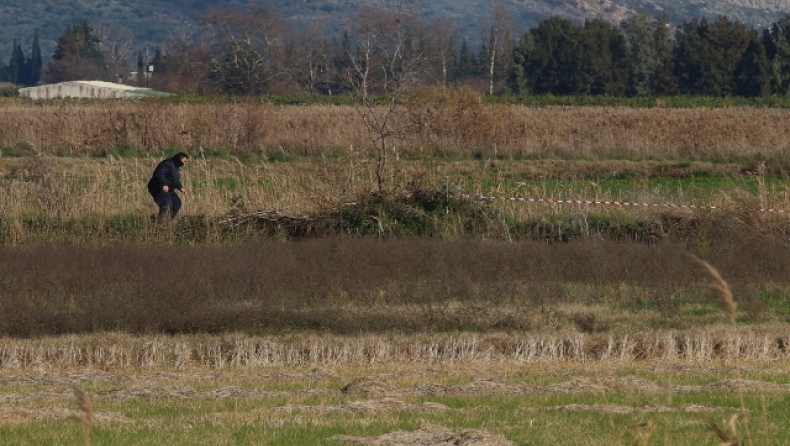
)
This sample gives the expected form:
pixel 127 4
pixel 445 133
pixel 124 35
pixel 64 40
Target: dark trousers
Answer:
pixel 169 203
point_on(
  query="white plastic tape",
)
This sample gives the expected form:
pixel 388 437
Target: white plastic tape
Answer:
pixel 610 203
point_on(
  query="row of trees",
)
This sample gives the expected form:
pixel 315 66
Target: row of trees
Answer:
pixel 23 70
pixel 643 57
pixel 254 51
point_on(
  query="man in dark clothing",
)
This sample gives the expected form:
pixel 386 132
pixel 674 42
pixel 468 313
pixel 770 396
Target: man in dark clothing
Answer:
pixel 164 183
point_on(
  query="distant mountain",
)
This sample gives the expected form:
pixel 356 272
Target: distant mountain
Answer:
pixel 152 21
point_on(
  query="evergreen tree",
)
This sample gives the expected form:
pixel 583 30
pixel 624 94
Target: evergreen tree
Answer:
pixel 35 63
pixel 753 74
pixel 79 41
pixel 343 59
pixel 159 61
pixel 602 60
pixel 649 54
pixel 777 43
pixel 552 65
pixel 77 55
pixel 664 81
pixel 481 60
pixel 16 65
pixel 707 54
pixel 466 61
pixel 141 68
pixel 518 81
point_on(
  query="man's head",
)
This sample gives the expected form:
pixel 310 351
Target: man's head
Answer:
pixel 180 159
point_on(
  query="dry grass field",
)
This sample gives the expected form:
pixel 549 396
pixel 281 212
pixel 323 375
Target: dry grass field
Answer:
pixel 294 303
pixel 457 125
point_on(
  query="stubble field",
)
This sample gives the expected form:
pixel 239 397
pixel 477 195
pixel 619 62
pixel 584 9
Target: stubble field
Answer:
pixel 294 302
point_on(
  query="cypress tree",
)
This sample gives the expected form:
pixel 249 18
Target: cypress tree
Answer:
pixel 35 62
pixel 16 65
pixel 466 61
pixel 343 59
pixel 140 69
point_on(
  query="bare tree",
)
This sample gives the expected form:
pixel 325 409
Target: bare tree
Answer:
pixel 185 65
pixel 115 43
pixel 498 40
pixel 246 41
pixel 310 61
pixel 439 41
pixel 385 62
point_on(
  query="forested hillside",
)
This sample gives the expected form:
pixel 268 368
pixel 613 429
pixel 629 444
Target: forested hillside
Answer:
pixel 149 22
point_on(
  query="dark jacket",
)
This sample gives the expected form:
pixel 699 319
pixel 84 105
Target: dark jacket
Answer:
pixel 165 174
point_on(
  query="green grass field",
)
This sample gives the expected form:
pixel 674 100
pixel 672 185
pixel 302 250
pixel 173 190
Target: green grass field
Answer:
pixel 477 403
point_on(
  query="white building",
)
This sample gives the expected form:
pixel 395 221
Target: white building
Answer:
pixel 86 89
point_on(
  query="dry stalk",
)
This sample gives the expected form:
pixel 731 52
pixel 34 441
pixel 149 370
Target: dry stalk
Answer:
pixel 86 407
pixel 720 286
pixel 728 305
pixel 730 439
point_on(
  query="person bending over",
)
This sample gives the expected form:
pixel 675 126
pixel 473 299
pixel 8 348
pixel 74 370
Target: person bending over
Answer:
pixel 164 183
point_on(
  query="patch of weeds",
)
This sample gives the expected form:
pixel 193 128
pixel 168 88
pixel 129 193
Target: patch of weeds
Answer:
pixel 626 175
pixel 216 152
pixel 705 173
pixel 122 152
pixel 9 90
pixel 281 156
pixel 417 212
pixel 587 322
pixel 772 302
pixel 228 184
pixel 535 156
pixel 719 158
pixel 443 154
pixel 12 152
pixel 251 156
pixel 701 311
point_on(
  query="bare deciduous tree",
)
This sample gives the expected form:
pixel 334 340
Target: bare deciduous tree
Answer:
pixel 310 61
pixel 115 43
pixel 384 61
pixel 498 40
pixel 185 64
pixel 439 41
pixel 246 42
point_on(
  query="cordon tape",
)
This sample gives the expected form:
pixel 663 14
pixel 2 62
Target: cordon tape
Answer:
pixel 608 203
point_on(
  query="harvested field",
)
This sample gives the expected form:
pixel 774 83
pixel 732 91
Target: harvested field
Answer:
pixel 300 299
pixel 105 351
pixel 475 402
